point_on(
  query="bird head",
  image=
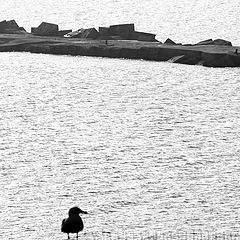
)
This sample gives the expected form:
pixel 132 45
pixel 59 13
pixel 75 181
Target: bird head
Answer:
pixel 76 211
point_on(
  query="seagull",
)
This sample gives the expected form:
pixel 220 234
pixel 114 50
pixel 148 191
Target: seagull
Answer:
pixel 74 223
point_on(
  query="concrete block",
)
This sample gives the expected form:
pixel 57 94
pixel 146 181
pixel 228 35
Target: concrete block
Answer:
pixel 3 26
pixel 9 27
pixel 143 36
pixel 61 33
pixel 12 24
pixel 170 42
pixel 222 42
pixel 104 31
pixel 123 30
pixel 205 42
pixel 46 29
pixel 89 33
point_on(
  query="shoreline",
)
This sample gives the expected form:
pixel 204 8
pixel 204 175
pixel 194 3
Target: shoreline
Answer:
pixel 204 55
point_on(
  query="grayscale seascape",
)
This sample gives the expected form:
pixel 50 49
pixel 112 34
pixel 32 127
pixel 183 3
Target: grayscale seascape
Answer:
pixel 141 145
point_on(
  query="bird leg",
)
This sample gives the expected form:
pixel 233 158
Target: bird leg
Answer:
pixel 68 236
pixel 77 235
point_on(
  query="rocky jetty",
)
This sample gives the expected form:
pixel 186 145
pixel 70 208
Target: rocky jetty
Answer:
pixel 116 41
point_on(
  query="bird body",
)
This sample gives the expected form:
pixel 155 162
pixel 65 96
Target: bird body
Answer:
pixel 74 223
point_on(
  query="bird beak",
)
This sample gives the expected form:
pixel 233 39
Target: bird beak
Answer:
pixel 84 212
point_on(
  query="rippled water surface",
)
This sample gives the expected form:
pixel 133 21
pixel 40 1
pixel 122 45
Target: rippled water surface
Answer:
pixel 142 146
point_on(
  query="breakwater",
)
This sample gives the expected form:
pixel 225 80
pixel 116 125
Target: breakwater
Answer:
pixel 209 53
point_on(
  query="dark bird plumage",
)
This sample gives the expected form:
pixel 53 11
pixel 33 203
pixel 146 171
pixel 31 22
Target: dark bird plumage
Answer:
pixel 74 223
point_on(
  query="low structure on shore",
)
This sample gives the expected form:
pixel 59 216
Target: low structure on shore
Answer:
pixel 107 42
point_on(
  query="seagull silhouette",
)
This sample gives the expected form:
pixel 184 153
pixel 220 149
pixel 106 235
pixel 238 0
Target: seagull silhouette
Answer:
pixel 74 223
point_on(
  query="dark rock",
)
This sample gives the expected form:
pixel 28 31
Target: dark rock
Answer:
pixel 15 31
pixel 105 52
pixel 80 50
pixel 22 29
pixel 45 29
pixel 99 51
pixel 114 52
pixel 150 53
pixel 93 51
pixel 194 60
pixel 72 50
pixel 215 42
pixel 104 37
pixel 166 53
pixel 130 53
pixel 64 49
pixel 219 60
pixel 104 31
pixel 235 59
pixel 170 42
pixel 175 59
pixel 143 36
pixel 186 59
pixel 36 48
pixel 59 49
pixel 74 34
pixel 61 33
pixel 6 48
pixel 206 42
pixel 20 47
pixel 116 38
pixel 123 30
pixel 91 33
pixel 55 49
pixel 83 51
pixel 3 26
pixel 120 52
pixel 222 42
pixel 12 25
pixel 33 30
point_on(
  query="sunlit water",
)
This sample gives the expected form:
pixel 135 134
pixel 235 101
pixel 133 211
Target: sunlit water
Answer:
pixel 142 146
